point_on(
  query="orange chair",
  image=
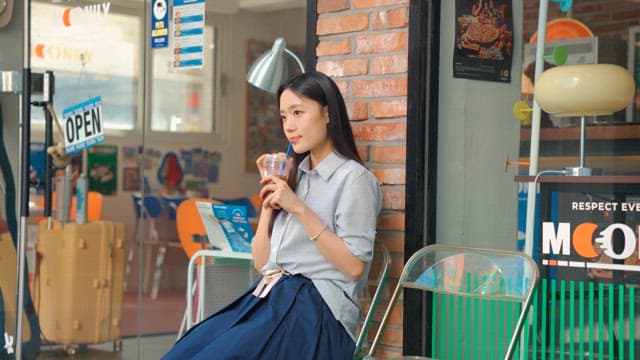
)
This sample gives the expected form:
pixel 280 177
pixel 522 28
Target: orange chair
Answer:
pixel 94 206
pixel 188 224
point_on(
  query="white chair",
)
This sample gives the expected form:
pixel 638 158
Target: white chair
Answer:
pixel 214 279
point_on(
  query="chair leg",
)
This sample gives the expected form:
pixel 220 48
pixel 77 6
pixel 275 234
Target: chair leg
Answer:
pixel 127 269
pixel 157 275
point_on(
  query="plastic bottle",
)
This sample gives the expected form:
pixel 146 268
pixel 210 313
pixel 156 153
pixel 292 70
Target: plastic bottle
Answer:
pixel 81 199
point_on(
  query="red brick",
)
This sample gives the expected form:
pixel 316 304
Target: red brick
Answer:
pixel 396 86
pixel 333 47
pixel 348 67
pixel 325 6
pixel 363 151
pixel 389 109
pixel 393 197
pixel 342 24
pixel 390 19
pixel 390 176
pixel 393 240
pixel 371 131
pixel 357 111
pixel 389 64
pixel 343 86
pixel 381 43
pixel 364 4
pixel 389 154
pixel 391 221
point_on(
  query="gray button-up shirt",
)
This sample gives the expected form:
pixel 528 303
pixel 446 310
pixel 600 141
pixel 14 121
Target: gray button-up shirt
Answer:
pixel 346 196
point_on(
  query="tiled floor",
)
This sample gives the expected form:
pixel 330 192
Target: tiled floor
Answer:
pixel 159 323
pixel 147 347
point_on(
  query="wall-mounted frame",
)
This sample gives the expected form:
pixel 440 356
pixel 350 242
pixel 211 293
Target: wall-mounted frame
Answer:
pixel 633 111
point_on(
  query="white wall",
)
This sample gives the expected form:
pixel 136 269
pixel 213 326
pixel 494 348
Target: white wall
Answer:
pixel 477 199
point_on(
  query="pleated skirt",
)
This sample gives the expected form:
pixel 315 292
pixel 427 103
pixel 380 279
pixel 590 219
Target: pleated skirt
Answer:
pixel 291 322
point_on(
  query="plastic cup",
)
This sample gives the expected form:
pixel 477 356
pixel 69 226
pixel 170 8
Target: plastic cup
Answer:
pixel 277 165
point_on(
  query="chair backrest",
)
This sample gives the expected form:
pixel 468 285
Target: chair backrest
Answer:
pixel 170 205
pixel 94 206
pixel 484 274
pixel 214 279
pixel 189 223
pixel 382 262
pixel 146 206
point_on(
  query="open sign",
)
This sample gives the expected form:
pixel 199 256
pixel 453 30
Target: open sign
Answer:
pixel 83 125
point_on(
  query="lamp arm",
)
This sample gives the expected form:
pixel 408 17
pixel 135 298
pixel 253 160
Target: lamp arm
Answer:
pixel 295 58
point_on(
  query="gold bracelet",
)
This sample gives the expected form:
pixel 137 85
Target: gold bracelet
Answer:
pixel 316 236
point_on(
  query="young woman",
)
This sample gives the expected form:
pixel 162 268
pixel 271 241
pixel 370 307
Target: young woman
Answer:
pixel 313 244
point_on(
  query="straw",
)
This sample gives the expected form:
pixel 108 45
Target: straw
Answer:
pixel 286 156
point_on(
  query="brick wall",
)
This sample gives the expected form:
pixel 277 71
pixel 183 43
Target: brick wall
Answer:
pixel 608 19
pixel 363 47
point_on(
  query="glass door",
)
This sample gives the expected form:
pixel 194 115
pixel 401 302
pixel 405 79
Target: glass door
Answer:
pixel 150 107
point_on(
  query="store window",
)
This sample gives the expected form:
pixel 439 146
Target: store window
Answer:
pixel 79 47
pixel 610 142
pixel 185 100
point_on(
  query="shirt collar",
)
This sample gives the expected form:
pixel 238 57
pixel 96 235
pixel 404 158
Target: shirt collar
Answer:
pixel 327 166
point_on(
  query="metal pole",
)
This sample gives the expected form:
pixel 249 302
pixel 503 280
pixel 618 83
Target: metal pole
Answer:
pixel 23 176
pixel 582 137
pixel 535 130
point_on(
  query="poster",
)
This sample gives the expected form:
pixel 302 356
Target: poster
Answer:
pixel 592 237
pixel 483 48
pixel 159 24
pixel 102 165
pixel 188 34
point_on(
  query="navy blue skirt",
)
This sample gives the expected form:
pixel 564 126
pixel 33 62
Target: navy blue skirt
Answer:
pixel 291 322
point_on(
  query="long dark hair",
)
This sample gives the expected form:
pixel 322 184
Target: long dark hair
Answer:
pixel 322 89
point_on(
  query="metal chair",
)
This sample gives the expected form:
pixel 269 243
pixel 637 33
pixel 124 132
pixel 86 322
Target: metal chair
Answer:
pixel 382 262
pixel 470 286
pixel 220 277
pixel 147 210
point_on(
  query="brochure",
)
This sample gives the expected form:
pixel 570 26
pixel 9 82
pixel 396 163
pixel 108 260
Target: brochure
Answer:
pixel 227 226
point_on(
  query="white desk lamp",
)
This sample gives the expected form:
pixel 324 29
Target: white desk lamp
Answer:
pixel 584 90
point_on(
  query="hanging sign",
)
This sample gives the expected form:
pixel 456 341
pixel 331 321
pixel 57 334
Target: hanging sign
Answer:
pixel 83 127
pixel 188 34
pixel 159 24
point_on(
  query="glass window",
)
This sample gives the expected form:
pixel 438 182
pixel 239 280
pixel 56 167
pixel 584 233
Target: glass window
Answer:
pixel 184 100
pixel 81 55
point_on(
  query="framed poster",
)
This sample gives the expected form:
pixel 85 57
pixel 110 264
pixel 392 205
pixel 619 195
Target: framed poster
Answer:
pixel 633 111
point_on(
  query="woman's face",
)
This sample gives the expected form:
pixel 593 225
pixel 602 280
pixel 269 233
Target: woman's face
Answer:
pixel 305 125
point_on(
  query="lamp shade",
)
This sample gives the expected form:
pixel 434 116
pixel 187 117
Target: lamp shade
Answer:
pixel 267 72
pixel 584 90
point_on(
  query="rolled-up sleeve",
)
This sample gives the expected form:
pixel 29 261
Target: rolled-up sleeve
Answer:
pixel 357 212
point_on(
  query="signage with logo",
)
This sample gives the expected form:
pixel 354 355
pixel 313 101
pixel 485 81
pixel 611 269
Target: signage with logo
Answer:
pixel 83 126
pixel 159 24
pixel 593 238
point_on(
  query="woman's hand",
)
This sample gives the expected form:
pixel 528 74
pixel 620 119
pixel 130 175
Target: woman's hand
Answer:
pixel 277 194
